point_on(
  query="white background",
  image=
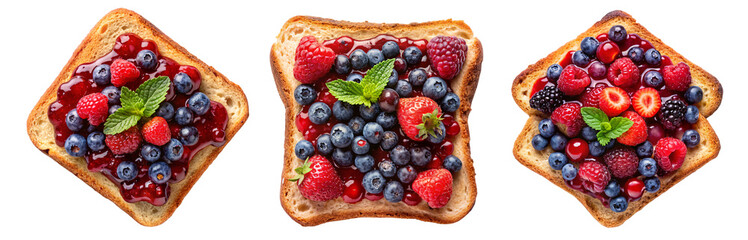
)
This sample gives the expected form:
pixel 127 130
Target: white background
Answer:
pixel 237 197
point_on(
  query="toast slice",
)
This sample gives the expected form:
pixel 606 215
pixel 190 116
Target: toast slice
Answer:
pixel 309 213
pixel 98 43
pixel 537 161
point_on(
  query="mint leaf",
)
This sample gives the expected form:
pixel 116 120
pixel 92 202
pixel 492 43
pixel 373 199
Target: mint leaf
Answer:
pixel 594 117
pixel 376 79
pixel 120 121
pixel 602 138
pixel 348 91
pixel 141 103
pixel 130 99
pixel 153 92
pixel 618 126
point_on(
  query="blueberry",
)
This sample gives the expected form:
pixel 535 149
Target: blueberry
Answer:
pixel 182 83
pixel 387 120
pixel 95 141
pixel 373 182
pixel 589 46
pixel 324 144
pixel 596 149
pixel 159 172
pixel 73 121
pixel 557 160
pixel 539 142
pixel 165 110
pixel 102 75
pixel 373 132
pixel 580 59
pixel 342 111
pixel 114 108
pixel 199 103
pixel 619 204
pixel 76 145
pixel 400 155
pixel 360 145
pixel 354 77
pixel 112 94
pixel 693 94
pixel 439 134
pixel 127 170
pixel 412 55
pixel 390 49
pixel 558 142
pixel 611 144
pixel 394 191
pixel 189 135
pixel 369 113
pixel 450 102
pixel 417 77
pixel 319 113
pixel 691 138
pixel 389 140
pixel 342 64
pixel 392 81
pixel 644 150
pixel 554 72
pixel 569 172
pixel 387 168
pixel 375 56
pixel 342 157
pixel 647 167
pixel 434 88
pixel 303 149
pixel 341 135
pixel 692 114
pixel 147 60
pixel 150 153
pixel 547 128
pixel 652 57
pixel 407 174
pixel 359 59
pixel 173 150
pixel 403 88
pixel 636 54
pixel 452 163
pixel 653 79
pixel 357 125
pixel 364 163
pixel 183 116
pixel 613 189
pixel 652 184
pixel 617 34
pixel 420 156
pixel 589 134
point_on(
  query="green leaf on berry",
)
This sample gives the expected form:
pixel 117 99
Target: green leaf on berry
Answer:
pixel 594 117
pixel 609 129
pixel 120 121
pixel 368 90
pixel 130 99
pixel 347 91
pixel 430 125
pixel 301 170
pixel 138 104
pixel 153 92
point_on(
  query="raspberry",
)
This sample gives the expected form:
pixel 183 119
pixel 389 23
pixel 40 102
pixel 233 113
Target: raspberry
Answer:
pixel 547 100
pixel 123 72
pixel 573 80
pixel 156 131
pixel 637 133
pixel 623 73
pixel 672 114
pixel 670 153
pixel 568 119
pixel 312 60
pixel 447 54
pixel 434 186
pixel 124 142
pixel 594 175
pixel 622 162
pixel 93 107
pixel 677 77
pixel 591 97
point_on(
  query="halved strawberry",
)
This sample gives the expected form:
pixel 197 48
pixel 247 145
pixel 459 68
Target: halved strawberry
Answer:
pixel 646 102
pixel 614 100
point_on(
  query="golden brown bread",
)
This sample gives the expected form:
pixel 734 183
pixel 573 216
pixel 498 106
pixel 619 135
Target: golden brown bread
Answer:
pixel 707 150
pixel 307 212
pixel 98 43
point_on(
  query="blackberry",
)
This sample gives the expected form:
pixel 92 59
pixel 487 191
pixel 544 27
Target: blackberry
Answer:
pixel 672 114
pixel 547 100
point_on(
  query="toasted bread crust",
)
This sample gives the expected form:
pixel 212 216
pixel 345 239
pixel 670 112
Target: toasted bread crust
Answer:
pixel 99 42
pixel 309 213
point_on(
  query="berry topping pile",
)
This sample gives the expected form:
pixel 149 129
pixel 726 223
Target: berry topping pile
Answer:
pixel 136 117
pixel 621 117
pixel 377 118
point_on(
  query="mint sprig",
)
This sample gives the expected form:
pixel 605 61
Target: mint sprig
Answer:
pixel 609 129
pixel 138 104
pixel 368 90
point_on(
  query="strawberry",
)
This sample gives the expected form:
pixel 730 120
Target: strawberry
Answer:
pixel 312 61
pixel 124 142
pixel 123 72
pixel 614 101
pixel 622 162
pixel 647 102
pixel 419 117
pixel 594 176
pixel 670 153
pixel 637 133
pixel 156 131
pixel 677 77
pixel 318 180
pixel 573 80
pixel 568 119
pixel 623 73
pixel 434 186
pixel 447 54
pixel 93 107
pixel 591 97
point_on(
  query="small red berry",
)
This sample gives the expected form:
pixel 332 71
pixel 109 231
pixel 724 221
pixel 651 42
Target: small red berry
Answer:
pixel 447 54
pixel 568 119
pixel 670 153
pixel 677 77
pixel 577 149
pixel 434 186
pixel 637 133
pixel 124 142
pixel 594 176
pixel 123 72
pixel 622 162
pixel 156 131
pixel 607 51
pixel 319 181
pixel 573 80
pixel 93 107
pixel 623 73
pixel 634 188
pixel 312 60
